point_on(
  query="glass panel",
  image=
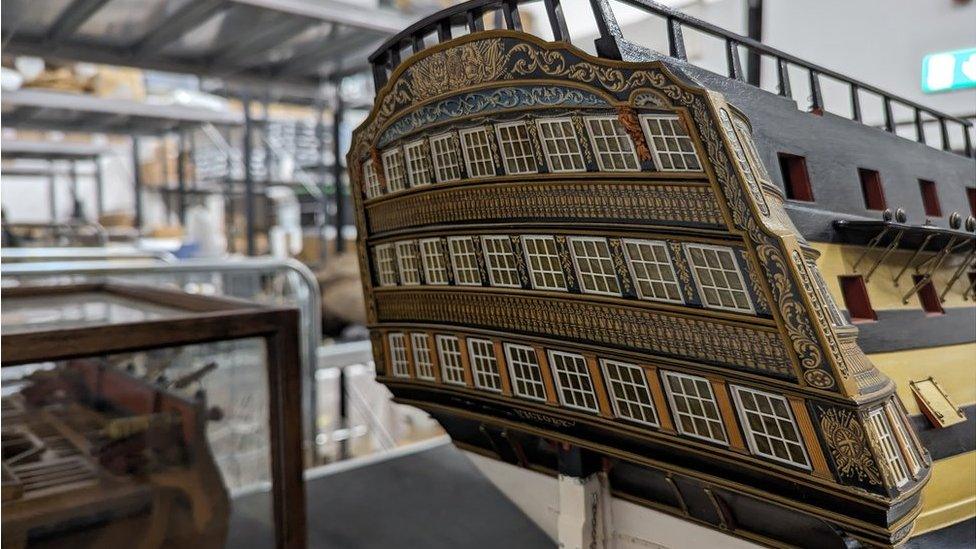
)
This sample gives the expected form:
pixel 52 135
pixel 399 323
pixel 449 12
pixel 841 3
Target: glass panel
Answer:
pixel 172 441
pixel 76 310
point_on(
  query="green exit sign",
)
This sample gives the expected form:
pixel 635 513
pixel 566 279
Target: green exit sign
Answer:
pixel 951 70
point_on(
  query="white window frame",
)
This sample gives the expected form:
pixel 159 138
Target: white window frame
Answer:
pixel 386 277
pixel 550 145
pixel 448 365
pixel 469 160
pixel 458 269
pixel 497 271
pixel 598 152
pixel 417 163
pixel 573 396
pixel 548 272
pixel 670 154
pixel 423 359
pixel 736 271
pixel 583 276
pixel 394 170
pixel 446 158
pixel 522 160
pixel 639 386
pixel 484 367
pixel 667 267
pixel 516 364
pixel 399 361
pixel 751 434
pixel 677 413
pixel 371 181
pixel 891 458
pixel 409 263
pixel 434 275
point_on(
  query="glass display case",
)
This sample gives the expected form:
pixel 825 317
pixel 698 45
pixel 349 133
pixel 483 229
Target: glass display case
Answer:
pixel 132 412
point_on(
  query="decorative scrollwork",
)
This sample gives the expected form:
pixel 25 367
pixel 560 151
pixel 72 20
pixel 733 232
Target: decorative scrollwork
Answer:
pixel 848 445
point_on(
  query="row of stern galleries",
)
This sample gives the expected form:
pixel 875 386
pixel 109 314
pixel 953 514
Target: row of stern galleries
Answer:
pixel 523 80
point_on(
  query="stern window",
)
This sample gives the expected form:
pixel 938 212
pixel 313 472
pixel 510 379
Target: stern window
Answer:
pixel 517 153
pixel 669 141
pixel 478 159
pixel 796 178
pixel 449 352
pixel 422 359
pixel 573 380
pixel 544 266
pixel 409 264
pixel 435 268
pixel 502 270
pixel 398 355
pixel 930 198
pixel 629 394
pixel 653 273
pixel 595 266
pixel 447 165
pixel 484 365
pixel 371 182
pixel 393 168
pixel 385 265
pixel 770 427
pixel 561 145
pixel 890 456
pixel 614 149
pixel 871 189
pixel 418 170
pixel 695 410
pixel 718 278
pixel 523 368
pixel 463 256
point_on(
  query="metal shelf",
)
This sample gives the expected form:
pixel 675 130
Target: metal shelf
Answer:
pixel 287 42
pixel 17 149
pixel 59 111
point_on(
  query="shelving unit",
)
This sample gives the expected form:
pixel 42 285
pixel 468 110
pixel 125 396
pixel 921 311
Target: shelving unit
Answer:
pixel 294 51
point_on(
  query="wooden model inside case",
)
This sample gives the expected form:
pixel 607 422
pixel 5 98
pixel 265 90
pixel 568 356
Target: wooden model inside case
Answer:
pixel 584 264
pixel 106 441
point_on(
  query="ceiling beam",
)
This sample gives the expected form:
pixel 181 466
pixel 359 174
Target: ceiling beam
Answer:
pixel 260 42
pixel 341 13
pixel 187 17
pixel 305 64
pixel 72 18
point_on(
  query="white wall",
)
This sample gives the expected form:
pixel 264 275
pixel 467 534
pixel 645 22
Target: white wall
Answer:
pixel 878 42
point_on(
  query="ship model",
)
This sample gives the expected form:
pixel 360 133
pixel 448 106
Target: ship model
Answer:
pixel 96 456
pixel 753 317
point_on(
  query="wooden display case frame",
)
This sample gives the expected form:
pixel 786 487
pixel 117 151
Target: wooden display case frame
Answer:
pixel 202 319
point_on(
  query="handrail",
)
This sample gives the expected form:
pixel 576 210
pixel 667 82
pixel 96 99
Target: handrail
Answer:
pixel 68 253
pixel 385 59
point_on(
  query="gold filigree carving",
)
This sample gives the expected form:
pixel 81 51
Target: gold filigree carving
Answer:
pixel 628 117
pixel 623 274
pixel 848 445
pixel 476 62
pixel 656 332
pixel 652 203
pixel 757 285
pixel 580 133
pixel 681 266
pixel 566 261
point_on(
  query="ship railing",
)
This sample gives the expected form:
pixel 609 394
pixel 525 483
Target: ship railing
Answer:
pixel 468 17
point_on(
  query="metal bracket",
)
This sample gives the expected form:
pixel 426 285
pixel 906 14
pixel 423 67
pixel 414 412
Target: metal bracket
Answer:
pixel 888 249
pixel 936 262
pixel 955 276
pixel 913 258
